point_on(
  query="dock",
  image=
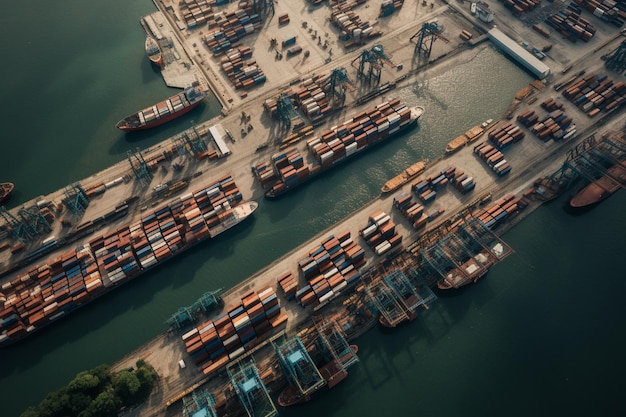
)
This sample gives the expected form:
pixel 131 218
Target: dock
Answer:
pixel 392 278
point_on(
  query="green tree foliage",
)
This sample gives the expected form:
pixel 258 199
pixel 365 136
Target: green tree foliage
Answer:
pixel 98 393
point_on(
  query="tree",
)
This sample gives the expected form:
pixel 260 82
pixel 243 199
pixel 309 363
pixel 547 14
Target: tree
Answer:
pixel 127 386
pixel 106 404
pixel 56 404
pixel 84 382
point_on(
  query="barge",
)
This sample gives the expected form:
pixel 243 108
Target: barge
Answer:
pixel 602 188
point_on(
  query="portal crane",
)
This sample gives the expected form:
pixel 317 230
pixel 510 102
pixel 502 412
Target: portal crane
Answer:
pixel 337 85
pixel 426 36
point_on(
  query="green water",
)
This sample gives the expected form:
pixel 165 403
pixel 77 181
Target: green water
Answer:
pixel 540 335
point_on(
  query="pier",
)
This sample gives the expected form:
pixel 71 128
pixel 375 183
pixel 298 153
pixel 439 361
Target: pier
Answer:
pixel 394 284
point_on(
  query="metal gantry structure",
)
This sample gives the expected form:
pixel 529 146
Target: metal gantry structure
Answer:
pixel 199 403
pixel 336 87
pixel 139 166
pixel 407 293
pixel 245 379
pixel 386 302
pixel 75 198
pixel 466 253
pixel 190 143
pixel 333 344
pixel 616 60
pixel 397 298
pixel 371 62
pixel 297 365
pixel 285 109
pixel 185 315
pixel 591 159
pixel 425 38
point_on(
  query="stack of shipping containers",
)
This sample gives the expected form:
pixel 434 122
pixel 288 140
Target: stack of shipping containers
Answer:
pixel 215 342
pixel 330 267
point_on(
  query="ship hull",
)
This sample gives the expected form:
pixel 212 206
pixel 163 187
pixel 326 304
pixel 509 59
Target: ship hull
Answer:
pixel 172 108
pixel 601 189
pixel 6 188
pixel 241 212
pixel 153 52
pixel 416 114
pixel 398 181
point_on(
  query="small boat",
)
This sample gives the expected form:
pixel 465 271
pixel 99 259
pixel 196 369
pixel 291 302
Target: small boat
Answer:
pixel 166 110
pixel 6 188
pixel 406 176
pixel 153 51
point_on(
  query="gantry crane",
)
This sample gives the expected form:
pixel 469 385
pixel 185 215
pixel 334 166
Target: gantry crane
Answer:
pixel 371 62
pixel 338 83
pixel 426 36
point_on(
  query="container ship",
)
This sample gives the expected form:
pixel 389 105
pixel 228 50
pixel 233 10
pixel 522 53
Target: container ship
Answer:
pixel 51 290
pixel 468 137
pixel 166 110
pixel 287 170
pixel 602 188
pixel 406 176
pixel 6 188
pixel 153 51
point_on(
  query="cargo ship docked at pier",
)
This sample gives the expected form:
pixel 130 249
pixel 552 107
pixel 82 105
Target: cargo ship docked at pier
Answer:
pixel 153 51
pixel 287 170
pixel 407 175
pixel 470 272
pixel 168 109
pixel 602 188
pixel 48 291
pixel 468 137
pixel 6 188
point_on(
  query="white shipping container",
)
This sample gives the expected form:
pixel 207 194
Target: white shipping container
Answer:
pixel 382 247
pixel 369 231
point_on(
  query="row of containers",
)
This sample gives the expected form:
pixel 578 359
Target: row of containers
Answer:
pixel 229 335
pixel 595 93
pixel 59 285
pixel 505 135
pixel 284 167
pixel 335 144
pixel 380 233
pixel 494 158
pixel 195 12
pixel 241 71
pixel 607 10
pixel 554 125
pixel 311 97
pixel 503 209
pixel 229 28
pixel 328 268
pixel 518 7
pixel 426 188
pixel 571 24
pixel 415 212
pixel 387 7
pixel 350 24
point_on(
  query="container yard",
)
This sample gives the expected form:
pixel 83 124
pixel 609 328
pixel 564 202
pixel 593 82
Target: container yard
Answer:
pixel 438 230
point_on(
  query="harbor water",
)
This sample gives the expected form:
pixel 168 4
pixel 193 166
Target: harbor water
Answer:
pixel 541 334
